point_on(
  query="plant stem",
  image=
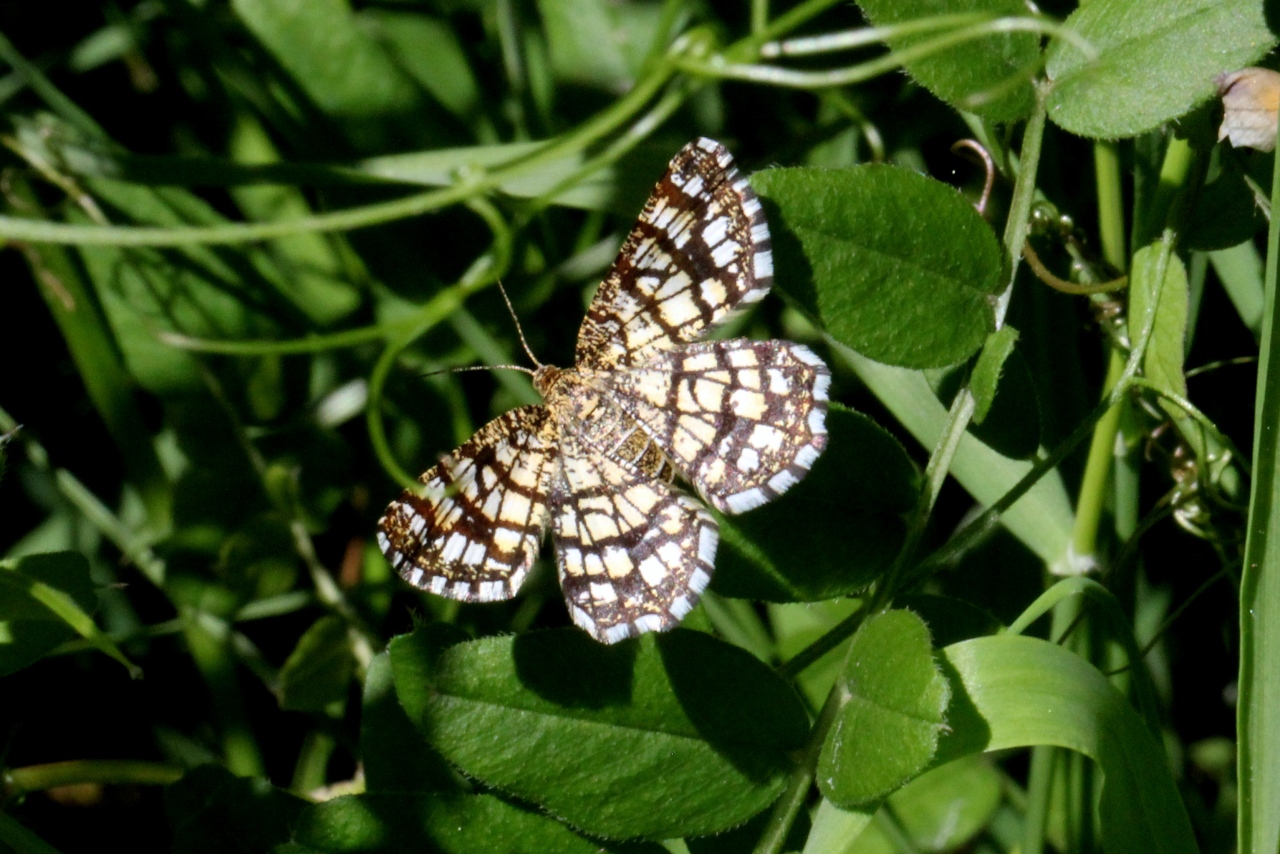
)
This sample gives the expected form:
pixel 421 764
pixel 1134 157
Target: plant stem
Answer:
pixel 1092 498
pixel 1106 168
pixel 788 806
pixel 1024 194
pixel 36 778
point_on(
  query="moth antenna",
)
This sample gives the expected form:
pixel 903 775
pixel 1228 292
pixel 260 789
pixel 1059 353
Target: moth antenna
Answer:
pixel 520 368
pixel 519 331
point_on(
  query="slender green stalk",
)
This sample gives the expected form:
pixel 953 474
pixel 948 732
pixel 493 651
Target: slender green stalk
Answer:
pixel 1024 195
pixel 116 772
pixel 1258 708
pixel 777 76
pixel 605 122
pixel 759 15
pixel 1097 470
pixel 1039 791
pixel 1106 170
pixel 786 808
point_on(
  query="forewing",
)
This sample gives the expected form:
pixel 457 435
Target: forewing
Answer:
pixel 700 248
pixel 473 530
pixel 742 420
pixel 634 552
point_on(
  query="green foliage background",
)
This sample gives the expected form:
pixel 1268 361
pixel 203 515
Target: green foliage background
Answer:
pixel 1025 601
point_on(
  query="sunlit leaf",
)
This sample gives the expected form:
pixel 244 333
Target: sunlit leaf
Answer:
pixel 990 76
pixel 564 722
pixel 895 265
pixel 887 730
pixel 1154 62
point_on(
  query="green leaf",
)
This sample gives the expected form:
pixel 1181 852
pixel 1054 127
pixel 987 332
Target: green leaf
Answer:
pixel 940 810
pixel 895 265
pixel 666 736
pixel 1155 61
pixel 985 377
pixel 990 76
pixel 448 823
pixel 860 487
pixel 343 71
pixel 597 43
pixel 428 51
pixel 203 292
pixel 395 757
pixel 28 628
pixel 1163 360
pixel 319 669
pixel 1014 691
pixel 887 730
pixel 212 811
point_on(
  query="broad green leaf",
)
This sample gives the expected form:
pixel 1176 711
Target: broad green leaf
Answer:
pixel 1162 363
pixel 318 671
pixel 985 378
pixel 667 736
pixel 860 487
pixel 1042 518
pixel 1258 709
pixel 941 809
pixel 28 628
pixel 395 757
pixel 1014 691
pixel 342 70
pixel 203 292
pixel 428 51
pixel 990 76
pixel 895 265
pixel 887 730
pixel 597 43
pixel 212 811
pixel 452 823
pixel 1155 61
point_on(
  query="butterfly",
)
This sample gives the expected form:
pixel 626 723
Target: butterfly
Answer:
pixel 646 401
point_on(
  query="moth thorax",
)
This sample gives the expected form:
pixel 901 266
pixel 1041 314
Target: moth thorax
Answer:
pixel 546 379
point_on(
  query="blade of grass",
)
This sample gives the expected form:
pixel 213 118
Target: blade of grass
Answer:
pixel 1258 711
pixel 97 361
